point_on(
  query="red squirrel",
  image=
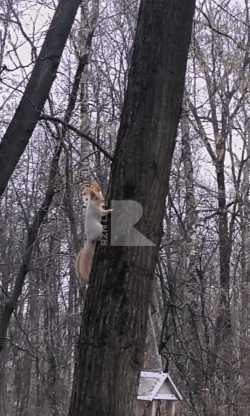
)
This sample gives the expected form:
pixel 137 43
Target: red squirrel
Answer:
pixel 93 230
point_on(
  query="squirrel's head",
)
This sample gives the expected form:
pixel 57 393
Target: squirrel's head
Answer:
pixel 96 187
pixel 94 194
pixel 96 197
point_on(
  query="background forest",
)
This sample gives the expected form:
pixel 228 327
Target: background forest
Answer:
pixel 202 278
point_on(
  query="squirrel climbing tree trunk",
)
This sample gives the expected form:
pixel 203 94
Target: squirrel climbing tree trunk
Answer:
pixel 111 345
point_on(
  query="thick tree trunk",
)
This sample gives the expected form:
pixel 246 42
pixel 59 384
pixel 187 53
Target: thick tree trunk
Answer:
pixel 27 114
pixel 112 338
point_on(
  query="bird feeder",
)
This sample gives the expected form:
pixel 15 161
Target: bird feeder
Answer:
pixel 157 395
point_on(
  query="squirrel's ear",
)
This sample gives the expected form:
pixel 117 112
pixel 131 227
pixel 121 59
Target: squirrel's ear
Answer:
pixel 87 191
pixel 96 186
pixel 92 193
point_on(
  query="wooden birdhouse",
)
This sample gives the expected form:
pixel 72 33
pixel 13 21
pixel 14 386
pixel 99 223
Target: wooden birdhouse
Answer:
pixel 157 395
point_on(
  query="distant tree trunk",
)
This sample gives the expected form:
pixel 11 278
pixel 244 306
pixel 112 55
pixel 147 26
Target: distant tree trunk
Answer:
pixel 112 338
pixel 26 384
pixel 85 173
pixel 244 207
pixel 72 323
pixel 223 327
pixel 192 292
pixel 157 310
pixel 152 358
pixel 195 316
pixel 36 93
pixel 89 18
pixel 191 216
pixel 3 386
pixel 5 260
pixel 51 343
pixel 12 302
pixel 25 365
pixel 223 324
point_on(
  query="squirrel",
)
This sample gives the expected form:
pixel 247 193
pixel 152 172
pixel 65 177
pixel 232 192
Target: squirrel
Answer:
pixel 93 230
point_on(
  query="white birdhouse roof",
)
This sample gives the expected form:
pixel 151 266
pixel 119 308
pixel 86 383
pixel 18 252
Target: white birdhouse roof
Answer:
pixel 157 386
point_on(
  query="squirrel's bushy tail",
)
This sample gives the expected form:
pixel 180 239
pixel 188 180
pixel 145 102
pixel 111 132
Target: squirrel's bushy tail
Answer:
pixel 84 262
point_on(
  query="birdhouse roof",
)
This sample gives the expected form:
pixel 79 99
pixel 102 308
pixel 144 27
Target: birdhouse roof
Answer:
pixel 157 386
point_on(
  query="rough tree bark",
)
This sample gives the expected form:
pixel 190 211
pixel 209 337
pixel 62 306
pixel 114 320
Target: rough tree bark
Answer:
pixel 36 93
pixel 112 337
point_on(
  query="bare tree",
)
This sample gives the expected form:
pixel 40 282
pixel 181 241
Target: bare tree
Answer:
pixel 114 328
pixel 36 93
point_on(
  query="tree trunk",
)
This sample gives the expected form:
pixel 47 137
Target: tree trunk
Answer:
pixel 244 208
pixel 193 287
pixel 36 93
pixel 152 358
pixel 51 340
pixel 11 304
pixel 223 329
pixel 42 212
pixel 112 338
pixel 88 24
